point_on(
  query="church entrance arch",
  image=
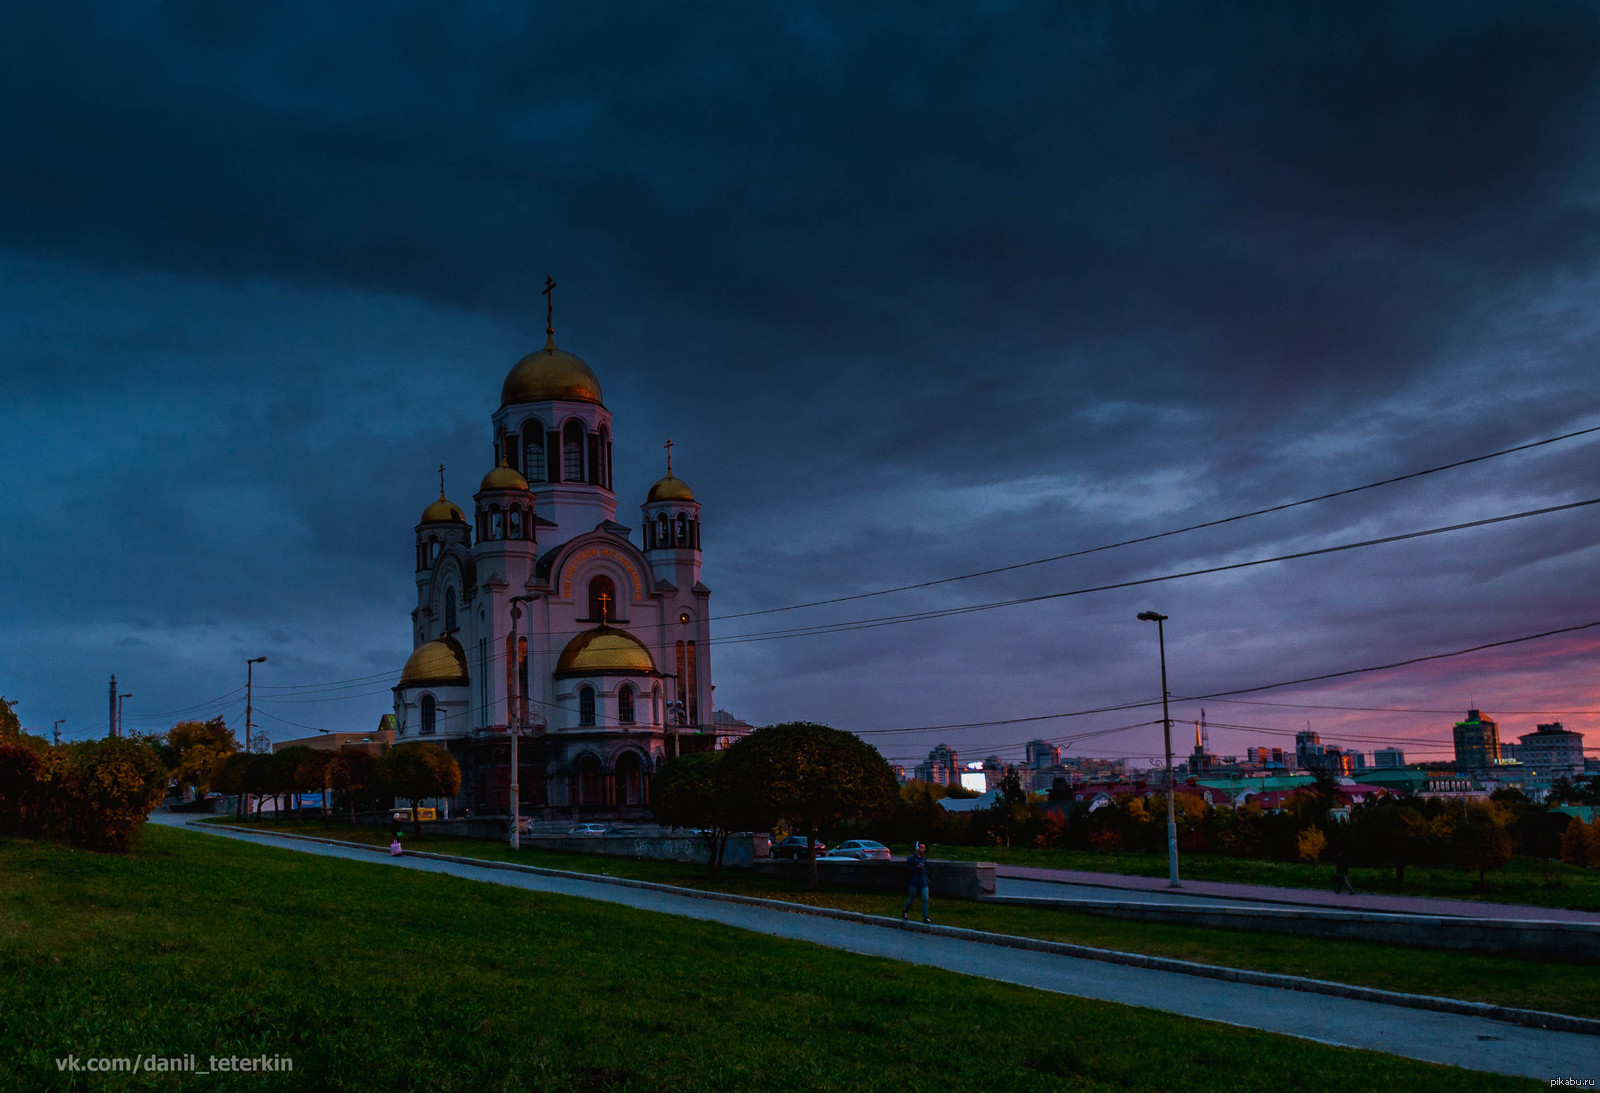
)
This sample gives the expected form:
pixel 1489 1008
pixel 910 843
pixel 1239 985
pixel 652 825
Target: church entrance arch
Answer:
pixel 590 777
pixel 632 787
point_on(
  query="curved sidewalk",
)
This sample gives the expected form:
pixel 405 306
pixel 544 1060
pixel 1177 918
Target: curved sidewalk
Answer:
pixel 1448 1038
pixel 1300 897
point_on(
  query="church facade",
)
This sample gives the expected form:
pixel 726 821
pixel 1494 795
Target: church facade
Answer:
pixel 539 614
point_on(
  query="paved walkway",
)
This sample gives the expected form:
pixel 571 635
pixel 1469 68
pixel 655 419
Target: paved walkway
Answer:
pixel 1210 891
pixel 1471 1042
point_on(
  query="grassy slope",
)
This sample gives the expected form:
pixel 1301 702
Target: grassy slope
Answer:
pixel 1560 988
pixel 374 978
pixel 1524 881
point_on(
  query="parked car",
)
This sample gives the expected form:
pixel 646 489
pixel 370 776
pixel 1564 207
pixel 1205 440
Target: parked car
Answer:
pixel 794 847
pixel 863 850
pixel 837 855
pixel 587 829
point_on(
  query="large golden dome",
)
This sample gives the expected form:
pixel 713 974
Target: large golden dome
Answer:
pixel 443 511
pixel 503 478
pixel 439 663
pixel 604 650
pixel 670 489
pixel 550 373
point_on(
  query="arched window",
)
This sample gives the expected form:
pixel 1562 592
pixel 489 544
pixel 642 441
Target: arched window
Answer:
pixel 602 599
pixel 625 704
pixel 681 537
pixel 430 713
pixel 514 522
pixel 433 550
pixel 533 451
pixel 663 535
pixel 655 704
pixel 494 522
pixel 605 457
pixel 450 608
pixel 586 705
pixel 572 452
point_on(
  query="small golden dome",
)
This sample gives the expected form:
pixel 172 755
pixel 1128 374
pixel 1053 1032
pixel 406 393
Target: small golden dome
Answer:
pixel 670 489
pixel 550 373
pixel 604 650
pixel 439 663
pixel 443 511
pixel 503 478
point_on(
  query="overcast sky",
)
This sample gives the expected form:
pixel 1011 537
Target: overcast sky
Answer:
pixel 916 290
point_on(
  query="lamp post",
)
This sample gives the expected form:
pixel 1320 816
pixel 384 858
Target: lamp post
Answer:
pixel 1166 723
pixel 516 724
pixel 249 690
pixel 120 697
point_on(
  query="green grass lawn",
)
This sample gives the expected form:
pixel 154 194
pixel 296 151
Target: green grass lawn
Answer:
pixel 369 977
pixel 1557 987
pixel 1524 881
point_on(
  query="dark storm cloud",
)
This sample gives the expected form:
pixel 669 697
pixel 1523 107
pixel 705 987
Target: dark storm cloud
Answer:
pixel 919 290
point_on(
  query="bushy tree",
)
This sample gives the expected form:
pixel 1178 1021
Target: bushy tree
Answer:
pixel 1580 844
pixel 314 774
pixel 1310 843
pixel 198 750
pixel 351 775
pixel 811 776
pixel 10 724
pixel 685 794
pixel 1391 834
pixel 1480 841
pixel 104 790
pixel 20 790
pixel 415 771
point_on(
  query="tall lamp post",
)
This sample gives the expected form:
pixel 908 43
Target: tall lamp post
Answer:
pixel 516 724
pixel 1166 723
pixel 249 693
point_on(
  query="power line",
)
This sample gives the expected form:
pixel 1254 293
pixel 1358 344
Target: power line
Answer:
pixel 1160 534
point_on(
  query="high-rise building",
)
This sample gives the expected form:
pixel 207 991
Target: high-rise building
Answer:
pixel 1388 758
pixel 1477 741
pixel 941 768
pixel 1551 751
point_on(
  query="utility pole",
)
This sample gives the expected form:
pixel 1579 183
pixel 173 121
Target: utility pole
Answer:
pixel 55 731
pixel 111 716
pixel 249 693
pixel 1166 721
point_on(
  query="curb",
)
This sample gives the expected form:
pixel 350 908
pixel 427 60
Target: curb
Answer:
pixel 1556 1022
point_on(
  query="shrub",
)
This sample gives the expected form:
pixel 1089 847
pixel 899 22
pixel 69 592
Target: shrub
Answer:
pixel 19 787
pixel 103 790
pixel 1310 844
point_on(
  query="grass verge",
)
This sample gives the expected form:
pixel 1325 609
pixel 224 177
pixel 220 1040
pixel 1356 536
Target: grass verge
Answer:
pixel 1473 977
pixel 375 978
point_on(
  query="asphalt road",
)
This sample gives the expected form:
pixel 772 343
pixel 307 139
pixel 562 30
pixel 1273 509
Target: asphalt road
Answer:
pixel 1450 1039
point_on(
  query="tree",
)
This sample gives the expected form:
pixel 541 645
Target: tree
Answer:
pixel 1390 833
pixel 19 787
pixel 685 794
pixel 415 771
pixel 350 774
pixel 1060 789
pixel 1310 844
pixel 281 772
pixel 231 777
pixel 1580 843
pixel 10 724
pixel 315 774
pixel 1481 841
pixel 810 776
pixel 198 751
pixel 105 790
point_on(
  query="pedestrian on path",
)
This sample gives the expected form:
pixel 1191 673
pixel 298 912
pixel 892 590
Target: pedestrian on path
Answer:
pixel 917 881
pixel 1341 875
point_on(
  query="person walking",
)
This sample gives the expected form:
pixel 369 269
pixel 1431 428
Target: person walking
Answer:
pixel 917 881
pixel 1341 875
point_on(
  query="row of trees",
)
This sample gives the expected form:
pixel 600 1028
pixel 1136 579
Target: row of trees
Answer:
pixel 413 771
pixel 811 778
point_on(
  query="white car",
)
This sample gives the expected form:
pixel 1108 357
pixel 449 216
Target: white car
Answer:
pixel 587 829
pixel 863 850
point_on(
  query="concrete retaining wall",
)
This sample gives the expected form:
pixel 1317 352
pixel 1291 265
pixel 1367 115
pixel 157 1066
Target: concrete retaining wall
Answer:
pixel 1574 942
pixel 946 879
pixel 741 853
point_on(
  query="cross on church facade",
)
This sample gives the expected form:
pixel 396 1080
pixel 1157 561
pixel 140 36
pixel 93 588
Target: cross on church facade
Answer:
pixel 604 613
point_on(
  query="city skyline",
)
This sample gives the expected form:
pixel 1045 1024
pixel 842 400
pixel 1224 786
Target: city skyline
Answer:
pixel 914 297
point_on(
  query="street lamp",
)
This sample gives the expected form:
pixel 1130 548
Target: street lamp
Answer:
pixel 249 688
pixel 1166 723
pixel 516 722
pixel 119 710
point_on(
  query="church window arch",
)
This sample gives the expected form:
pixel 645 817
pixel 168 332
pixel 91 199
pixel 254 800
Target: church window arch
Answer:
pixel 433 550
pixel 533 458
pixel 655 704
pixel 604 461
pixel 586 705
pixel 572 452
pixel 514 522
pixel 450 609
pixel 681 532
pixel 602 599
pixel 430 713
pixel 496 527
pixel 663 534
pixel 625 704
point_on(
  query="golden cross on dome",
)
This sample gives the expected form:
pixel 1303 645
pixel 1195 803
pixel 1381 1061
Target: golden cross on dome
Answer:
pixel 441 481
pixel 604 599
pixel 668 447
pixel 549 308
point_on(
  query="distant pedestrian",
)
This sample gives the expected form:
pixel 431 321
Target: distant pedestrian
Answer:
pixel 394 847
pixel 1341 876
pixel 917 881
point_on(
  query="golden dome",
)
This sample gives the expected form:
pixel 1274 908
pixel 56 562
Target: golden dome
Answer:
pixel 443 512
pixel 440 663
pixel 603 650
pixel 670 489
pixel 550 373
pixel 503 478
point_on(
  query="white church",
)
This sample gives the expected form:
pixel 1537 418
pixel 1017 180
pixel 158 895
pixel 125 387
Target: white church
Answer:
pixel 541 615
